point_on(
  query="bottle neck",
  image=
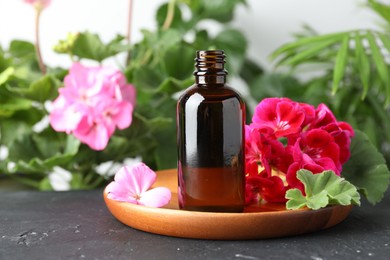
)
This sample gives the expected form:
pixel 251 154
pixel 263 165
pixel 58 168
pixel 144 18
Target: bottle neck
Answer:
pixel 210 79
pixel 210 68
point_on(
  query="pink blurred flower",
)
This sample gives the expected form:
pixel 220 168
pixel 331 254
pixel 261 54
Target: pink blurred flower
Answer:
pixel 132 184
pixel 38 4
pixel 92 104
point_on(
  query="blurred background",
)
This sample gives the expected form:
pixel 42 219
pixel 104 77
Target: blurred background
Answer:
pixel 323 51
pixel 267 24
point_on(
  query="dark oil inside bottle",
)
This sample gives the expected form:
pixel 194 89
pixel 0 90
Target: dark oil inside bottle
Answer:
pixel 210 127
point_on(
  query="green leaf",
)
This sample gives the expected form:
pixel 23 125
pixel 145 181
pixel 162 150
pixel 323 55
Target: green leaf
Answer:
pixel 166 39
pixel 21 49
pixel 202 40
pixel 44 184
pixel 309 52
pixel 250 71
pixel 5 62
pixel 363 64
pixel 219 10
pixel 367 169
pixel 90 46
pixel 12 129
pixel 6 74
pixel 304 42
pixel 171 85
pixel 276 85
pixel 322 189
pixel 340 64
pixel 382 9
pixel 147 79
pixel 177 21
pixel 9 104
pixel 234 44
pixel 381 65
pixel 178 61
pixel 117 45
pixel 166 150
pixel 40 90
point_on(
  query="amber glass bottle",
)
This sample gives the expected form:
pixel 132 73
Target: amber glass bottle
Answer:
pixel 211 140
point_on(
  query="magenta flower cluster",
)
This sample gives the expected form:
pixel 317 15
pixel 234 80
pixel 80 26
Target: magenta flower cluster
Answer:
pixel 286 136
pixel 92 104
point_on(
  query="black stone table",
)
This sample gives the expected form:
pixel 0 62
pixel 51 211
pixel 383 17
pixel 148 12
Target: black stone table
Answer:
pixel 77 225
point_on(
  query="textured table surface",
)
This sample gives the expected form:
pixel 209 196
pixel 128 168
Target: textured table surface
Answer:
pixel 77 225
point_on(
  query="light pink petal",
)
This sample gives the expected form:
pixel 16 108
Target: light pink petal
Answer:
pixel 117 191
pixel 137 178
pixel 143 176
pixel 96 136
pixel 125 181
pixel 124 115
pixel 128 93
pixel 64 117
pixel 156 197
pixel 84 81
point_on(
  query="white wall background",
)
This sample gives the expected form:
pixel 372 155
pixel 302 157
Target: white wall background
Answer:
pixel 266 23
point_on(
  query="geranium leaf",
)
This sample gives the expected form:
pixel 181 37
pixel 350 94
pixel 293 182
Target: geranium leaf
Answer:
pixel 20 49
pixel 9 104
pixel 322 189
pixel 172 85
pixel 175 55
pixel 39 90
pixel 367 168
pixel 219 10
pixel 6 74
pixel 296 200
pixel 177 21
pixel 90 46
pixel 234 44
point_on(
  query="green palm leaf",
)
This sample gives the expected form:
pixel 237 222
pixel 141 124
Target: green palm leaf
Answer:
pixel 317 48
pixel 380 65
pixel 363 64
pixel 382 9
pixel 340 64
pixel 304 42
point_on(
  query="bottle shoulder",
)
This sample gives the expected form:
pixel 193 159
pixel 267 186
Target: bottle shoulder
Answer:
pixel 212 93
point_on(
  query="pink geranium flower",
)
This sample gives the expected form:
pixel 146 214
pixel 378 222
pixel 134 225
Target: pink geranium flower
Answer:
pixel 132 184
pixel 262 147
pixel 286 136
pixel 318 147
pixel 280 114
pixel 92 104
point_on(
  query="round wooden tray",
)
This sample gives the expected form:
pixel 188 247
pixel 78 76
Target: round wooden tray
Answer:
pixel 256 222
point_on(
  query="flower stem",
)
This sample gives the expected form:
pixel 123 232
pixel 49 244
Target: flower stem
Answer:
pixel 129 25
pixel 37 47
pixel 129 18
pixel 170 15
